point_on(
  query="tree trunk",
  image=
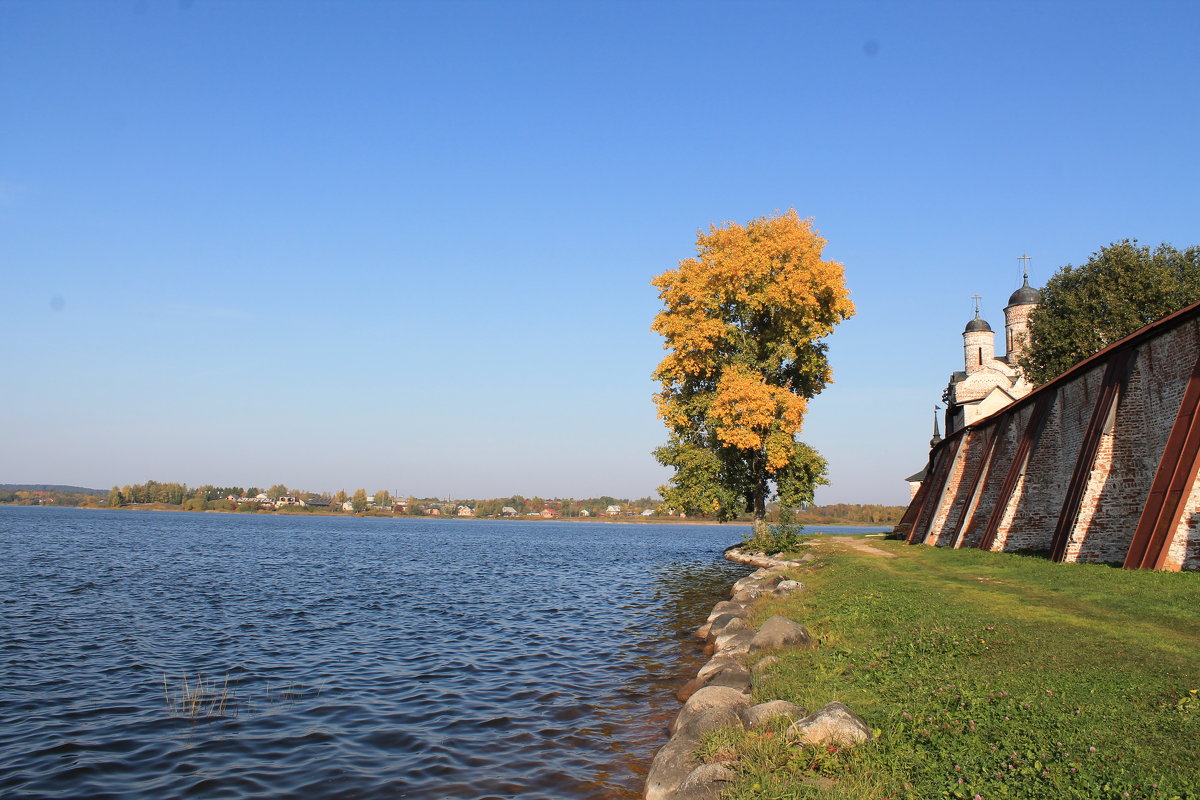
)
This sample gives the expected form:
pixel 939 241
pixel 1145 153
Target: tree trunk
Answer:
pixel 760 494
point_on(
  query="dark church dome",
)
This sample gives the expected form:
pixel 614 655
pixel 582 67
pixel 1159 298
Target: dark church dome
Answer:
pixel 977 324
pixel 1026 295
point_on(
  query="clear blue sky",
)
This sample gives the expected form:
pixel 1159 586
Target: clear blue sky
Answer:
pixel 407 245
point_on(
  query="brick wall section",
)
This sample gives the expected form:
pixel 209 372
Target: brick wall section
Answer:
pixel 985 456
pixel 1090 524
pixel 957 493
pixel 1185 544
pixel 1038 499
pixel 1002 457
pixel 1130 451
pixel 1010 510
pixel 933 502
pixel 1180 352
pixel 1118 479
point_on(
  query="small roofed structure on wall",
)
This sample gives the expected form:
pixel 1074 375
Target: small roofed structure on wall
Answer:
pixel 1101 464
pixel 917 478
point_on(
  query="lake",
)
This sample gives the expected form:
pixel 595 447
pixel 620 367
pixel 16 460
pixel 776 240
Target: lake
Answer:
pixel 343 657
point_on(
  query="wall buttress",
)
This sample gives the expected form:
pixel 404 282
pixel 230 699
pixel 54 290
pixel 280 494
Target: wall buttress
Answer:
pixel 1116 371
pixel 966 522
pixel 1033 428
pixel 1173 481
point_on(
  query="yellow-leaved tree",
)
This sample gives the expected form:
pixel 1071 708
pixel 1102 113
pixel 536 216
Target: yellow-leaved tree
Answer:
pixel 744 322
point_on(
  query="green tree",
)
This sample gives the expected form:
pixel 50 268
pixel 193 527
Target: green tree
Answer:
pixel 1121 288
pixel 383 498
pixel 744 322
pixel 115 498
pixel 340 498
pixel 277 491
pixel 359 501
pixel 196 503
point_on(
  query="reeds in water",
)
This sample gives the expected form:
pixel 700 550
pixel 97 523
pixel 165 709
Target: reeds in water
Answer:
pixel 200 698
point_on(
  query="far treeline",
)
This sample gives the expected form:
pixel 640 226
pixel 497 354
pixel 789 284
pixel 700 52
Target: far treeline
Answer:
pixel 280 499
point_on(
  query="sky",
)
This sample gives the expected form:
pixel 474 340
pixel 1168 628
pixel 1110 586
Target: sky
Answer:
pixel 408 245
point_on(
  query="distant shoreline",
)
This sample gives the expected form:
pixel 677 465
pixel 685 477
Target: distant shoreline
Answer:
pixel 603 520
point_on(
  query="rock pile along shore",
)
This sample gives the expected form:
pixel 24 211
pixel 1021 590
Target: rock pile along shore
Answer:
pixel 719 695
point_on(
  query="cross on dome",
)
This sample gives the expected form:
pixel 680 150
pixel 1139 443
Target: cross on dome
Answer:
pixel 1024 259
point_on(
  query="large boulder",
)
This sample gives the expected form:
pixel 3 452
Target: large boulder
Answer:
pixel 710 697
pixel 761 578
pixel 759 715
pixel 727 623
pixel 705 782
pixel 734 643
pixel 742 583
pixel 732 673
pixel 729 610
pixel 779 632
pixel 728 607
pixel 675 762
pixel 833 724
pixel 735 677
pixel 784 588
pixel 690 688
pixel 728 632
pixel 748 594
pixel 718 663
pixel 771 580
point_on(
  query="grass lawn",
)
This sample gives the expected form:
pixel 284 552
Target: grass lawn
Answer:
pixel 984 675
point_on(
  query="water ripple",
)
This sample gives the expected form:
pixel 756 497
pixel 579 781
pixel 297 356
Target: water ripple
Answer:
pixel 364 658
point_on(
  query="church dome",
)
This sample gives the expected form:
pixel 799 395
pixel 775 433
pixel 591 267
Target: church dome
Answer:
pixel 977 324
pixel 1026 295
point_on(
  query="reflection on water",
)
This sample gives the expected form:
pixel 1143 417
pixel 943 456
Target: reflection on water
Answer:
pixel 365 657
pixel 668 654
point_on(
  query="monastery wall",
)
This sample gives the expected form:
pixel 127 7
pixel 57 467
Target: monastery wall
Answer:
pixel 1099 465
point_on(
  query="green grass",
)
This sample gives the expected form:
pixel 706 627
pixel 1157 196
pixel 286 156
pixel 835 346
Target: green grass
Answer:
pixel 984 675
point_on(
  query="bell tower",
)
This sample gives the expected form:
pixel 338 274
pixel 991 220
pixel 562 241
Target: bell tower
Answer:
pixel 1016 316
pixel 979 342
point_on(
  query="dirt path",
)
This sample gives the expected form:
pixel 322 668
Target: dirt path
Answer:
pixel 863 547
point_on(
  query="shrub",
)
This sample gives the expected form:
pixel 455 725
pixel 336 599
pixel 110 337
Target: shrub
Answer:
pixel 775 539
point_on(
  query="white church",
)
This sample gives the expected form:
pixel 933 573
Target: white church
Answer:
pixel 987 382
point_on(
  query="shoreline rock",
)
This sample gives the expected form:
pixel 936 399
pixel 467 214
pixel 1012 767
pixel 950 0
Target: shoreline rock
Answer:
pixel 720 694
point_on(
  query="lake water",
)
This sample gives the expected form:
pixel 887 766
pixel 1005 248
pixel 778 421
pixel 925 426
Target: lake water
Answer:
pixel 358 658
